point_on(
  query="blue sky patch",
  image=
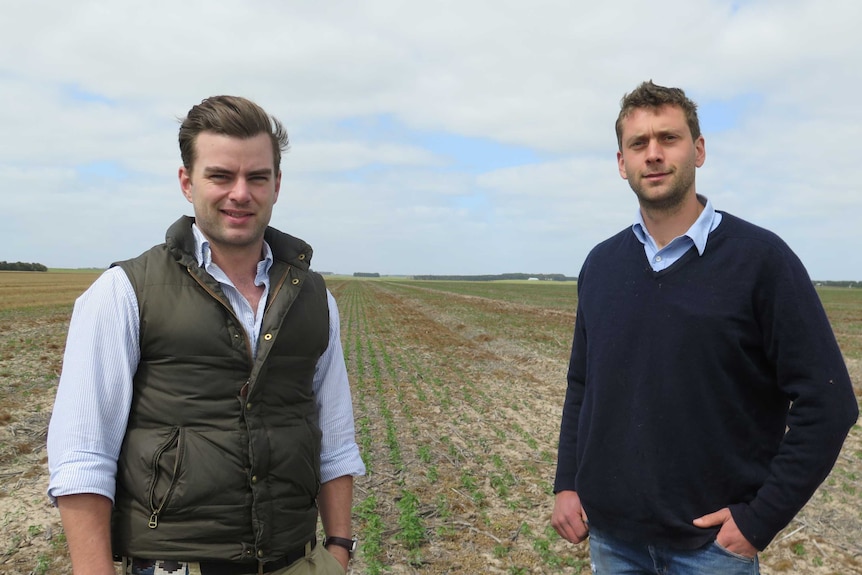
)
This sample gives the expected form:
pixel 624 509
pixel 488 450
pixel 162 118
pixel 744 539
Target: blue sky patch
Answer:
pixel 722 115
pixel 464 153
pixel 106 169
pixel 477 204
pixel 77 94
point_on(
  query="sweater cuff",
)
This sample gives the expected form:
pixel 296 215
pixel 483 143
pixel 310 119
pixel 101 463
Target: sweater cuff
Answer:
pixel 564 482
pixel 756 531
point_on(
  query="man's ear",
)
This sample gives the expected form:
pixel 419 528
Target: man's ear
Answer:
pixel 699 151
pixel 185 178
pixel 277 186
pixel 621 165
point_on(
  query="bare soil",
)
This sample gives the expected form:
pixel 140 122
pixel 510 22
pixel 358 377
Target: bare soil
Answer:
pixel 458 398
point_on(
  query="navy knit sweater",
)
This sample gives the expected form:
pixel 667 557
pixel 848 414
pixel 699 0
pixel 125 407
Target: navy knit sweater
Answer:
pixel 682 383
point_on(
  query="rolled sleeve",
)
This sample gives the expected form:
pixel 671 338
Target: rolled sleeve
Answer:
pixel 94 395
pixel 339 453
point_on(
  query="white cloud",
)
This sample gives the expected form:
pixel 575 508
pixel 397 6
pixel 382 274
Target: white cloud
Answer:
pixel 101 83
pixel 330 156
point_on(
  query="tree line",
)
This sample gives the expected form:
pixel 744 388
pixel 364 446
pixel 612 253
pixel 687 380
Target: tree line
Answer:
pixel 22 267
pixel 512 276
pixel 832 283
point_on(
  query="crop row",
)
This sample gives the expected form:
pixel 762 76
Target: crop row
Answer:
pixel 459 472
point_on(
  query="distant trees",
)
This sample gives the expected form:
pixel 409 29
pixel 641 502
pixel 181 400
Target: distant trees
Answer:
pixel 22 267
pixel 512 276
pixel 845 283
pixel 366 275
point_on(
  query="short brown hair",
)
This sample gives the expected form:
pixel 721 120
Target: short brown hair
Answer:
pixel 230 116
pixel 649 95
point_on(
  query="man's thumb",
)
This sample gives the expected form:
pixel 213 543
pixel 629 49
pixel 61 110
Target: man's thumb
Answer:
pixel 711 519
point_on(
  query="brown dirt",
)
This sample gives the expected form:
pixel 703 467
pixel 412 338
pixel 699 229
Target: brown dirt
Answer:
pixel 472 388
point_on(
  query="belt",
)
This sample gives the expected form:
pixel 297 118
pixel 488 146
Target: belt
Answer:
pixel 229 567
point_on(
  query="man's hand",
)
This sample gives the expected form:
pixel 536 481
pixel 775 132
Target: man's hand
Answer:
pixel 341 554
pixel 729 536
pixel 569 518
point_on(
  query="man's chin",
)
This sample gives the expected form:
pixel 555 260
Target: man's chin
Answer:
pixel 660 201
pixel 238 239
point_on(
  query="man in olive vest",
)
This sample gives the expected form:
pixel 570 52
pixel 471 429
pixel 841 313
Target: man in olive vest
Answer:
pixel 203 419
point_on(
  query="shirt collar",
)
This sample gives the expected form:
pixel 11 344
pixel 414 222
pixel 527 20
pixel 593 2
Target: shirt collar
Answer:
pixel 203 253
pixel 697 233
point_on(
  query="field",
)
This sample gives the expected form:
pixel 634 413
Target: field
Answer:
pixel 457 388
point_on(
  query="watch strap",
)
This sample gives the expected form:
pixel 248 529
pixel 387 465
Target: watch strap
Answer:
pixel 349 544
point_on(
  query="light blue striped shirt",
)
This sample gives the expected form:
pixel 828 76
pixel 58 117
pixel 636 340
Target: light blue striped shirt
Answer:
pixel 102 353
pixel 696 236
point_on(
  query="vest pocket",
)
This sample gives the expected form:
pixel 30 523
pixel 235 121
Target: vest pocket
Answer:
pixel 165 467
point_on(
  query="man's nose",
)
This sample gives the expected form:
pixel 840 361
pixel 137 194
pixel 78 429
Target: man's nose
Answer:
pixel 654 151
pixel 240 191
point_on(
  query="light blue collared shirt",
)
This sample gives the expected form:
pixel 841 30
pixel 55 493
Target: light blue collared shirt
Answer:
pixel 696 236
pixel 251 319
pixel 102 353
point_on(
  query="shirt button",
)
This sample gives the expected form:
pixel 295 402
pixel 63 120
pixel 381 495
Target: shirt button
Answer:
pixel 295 281
pixel 267 337
pixel 658 258
pixel 260 552
pixel 248 406
pixel 254 478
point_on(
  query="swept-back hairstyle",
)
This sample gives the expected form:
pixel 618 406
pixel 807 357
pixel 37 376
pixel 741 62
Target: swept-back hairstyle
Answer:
pixel 649 95
pixel 230 116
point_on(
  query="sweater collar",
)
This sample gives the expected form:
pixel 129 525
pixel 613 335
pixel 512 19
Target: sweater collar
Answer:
pixel 698 233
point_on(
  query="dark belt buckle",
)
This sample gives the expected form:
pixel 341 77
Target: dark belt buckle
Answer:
pixel 234 568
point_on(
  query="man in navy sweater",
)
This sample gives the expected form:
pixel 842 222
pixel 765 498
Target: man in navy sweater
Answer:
pixel 707 397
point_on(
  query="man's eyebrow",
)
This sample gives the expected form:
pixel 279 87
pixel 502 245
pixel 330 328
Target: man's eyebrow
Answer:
pixel 657 132
pixel 215 170
pixel 210 170
pixel 260 172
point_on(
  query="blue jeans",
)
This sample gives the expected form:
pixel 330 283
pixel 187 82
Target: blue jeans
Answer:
pixel 611 556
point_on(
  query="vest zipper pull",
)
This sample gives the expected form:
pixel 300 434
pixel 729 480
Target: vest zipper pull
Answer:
pixel 154 520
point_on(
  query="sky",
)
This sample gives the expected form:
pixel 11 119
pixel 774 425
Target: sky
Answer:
pixel 447 137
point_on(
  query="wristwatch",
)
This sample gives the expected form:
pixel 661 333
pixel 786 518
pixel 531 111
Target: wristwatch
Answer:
pixel 349 544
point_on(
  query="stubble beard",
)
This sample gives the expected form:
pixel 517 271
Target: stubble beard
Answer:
pixel 224 237
pixel 668 202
